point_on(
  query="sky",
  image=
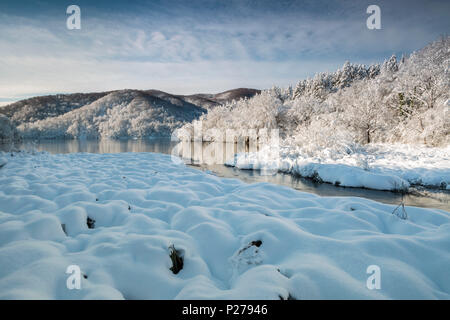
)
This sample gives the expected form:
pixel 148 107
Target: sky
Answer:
pixel 199 46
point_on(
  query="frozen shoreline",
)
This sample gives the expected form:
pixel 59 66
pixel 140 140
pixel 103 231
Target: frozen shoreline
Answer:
pixel 312 247
pixel 378 167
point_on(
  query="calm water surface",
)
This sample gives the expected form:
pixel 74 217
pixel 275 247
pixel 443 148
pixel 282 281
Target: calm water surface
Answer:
pixel 420 198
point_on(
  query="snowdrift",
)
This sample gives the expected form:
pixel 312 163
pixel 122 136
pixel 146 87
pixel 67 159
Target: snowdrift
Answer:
pixel 237 240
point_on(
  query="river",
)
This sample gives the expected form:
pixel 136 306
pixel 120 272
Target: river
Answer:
pixel 418 197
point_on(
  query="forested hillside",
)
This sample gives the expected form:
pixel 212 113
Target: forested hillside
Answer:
pixel 400 101
pixel 115 114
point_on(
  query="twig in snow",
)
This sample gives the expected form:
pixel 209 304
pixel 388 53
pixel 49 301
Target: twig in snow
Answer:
pixel 177 259
pixel 401 213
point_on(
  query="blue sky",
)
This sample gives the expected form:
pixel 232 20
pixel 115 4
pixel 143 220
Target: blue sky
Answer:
pixel 199 45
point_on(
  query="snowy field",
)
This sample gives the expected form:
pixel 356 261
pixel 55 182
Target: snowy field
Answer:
pixel 377 166
pixel 238 241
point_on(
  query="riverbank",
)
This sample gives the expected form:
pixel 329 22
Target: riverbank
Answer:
pixel 416 196
pixel 377 166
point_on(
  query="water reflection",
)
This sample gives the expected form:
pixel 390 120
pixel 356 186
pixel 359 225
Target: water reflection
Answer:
pixel 419 198
pixel 204 160
pixel 94 146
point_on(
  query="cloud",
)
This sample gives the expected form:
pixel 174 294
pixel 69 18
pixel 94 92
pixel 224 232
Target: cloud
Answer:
pixel 200 46
pixel 63 75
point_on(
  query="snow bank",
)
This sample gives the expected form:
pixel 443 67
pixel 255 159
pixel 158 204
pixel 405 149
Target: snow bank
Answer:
pixel 378 166
pixel 238 241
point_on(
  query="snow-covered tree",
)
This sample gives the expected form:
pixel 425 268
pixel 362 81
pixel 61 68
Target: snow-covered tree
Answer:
pixel 398 101
pixel 8 131
pixel 365 112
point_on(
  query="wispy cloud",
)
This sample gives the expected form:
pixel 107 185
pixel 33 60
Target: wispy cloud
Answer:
pixel 201 46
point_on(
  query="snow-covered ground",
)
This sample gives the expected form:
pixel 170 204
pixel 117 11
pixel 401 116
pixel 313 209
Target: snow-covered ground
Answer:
pixel 142 203
pixel 377 166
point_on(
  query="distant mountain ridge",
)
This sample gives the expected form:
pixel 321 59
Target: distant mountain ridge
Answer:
pixel 113 114
pixel 206 100
pixel 42 107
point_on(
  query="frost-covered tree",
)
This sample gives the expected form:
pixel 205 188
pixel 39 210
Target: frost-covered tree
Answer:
pixel 364 112
pixel 325 83
pixel 8 131
pixel 424 77
pixel 398 101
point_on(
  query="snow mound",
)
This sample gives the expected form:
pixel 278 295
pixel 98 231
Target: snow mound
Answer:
pixel 116 216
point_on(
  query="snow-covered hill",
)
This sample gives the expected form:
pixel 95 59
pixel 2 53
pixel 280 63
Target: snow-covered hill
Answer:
pixel 126 113
pixel 399 101
pixel 43 107
pixel 115 114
